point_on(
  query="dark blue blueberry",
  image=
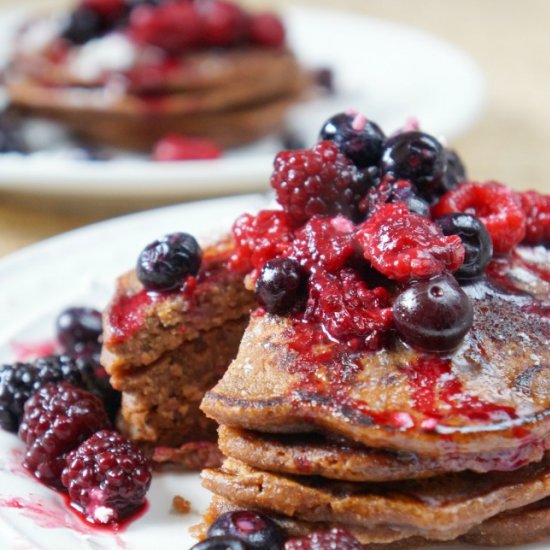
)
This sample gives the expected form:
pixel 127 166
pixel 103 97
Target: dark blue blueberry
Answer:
pixel 455 171
pixel 165 263
pixel 416 157
pixel 255 529
pixel 475 239
pixel 362 143
pixel 434 314
pixel 414 203
pixel 83 25
pixel 281 286
pixel 222 543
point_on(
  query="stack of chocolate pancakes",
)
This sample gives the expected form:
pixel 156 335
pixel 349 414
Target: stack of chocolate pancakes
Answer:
pixel 398 447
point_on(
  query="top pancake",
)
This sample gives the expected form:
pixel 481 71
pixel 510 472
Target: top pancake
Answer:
pixel 490 394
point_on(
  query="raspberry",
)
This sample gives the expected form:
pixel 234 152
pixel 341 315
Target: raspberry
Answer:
pixel 107 476
pixel 173 26
pixel 224 23
pixel 326 242
pixel 403 245
pixel 266 29
pixel 536 208
pixel 348 310
pixel 20 380
pixel 318 181
pixel 174 147
pixel 56 420
pixel 259 239
pixel 325 540
pixel 495 205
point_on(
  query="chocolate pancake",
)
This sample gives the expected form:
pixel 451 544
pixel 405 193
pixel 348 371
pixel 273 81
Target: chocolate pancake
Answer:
pixel 440 508
pixel 520 526
pixel 490 395
pixel 338 458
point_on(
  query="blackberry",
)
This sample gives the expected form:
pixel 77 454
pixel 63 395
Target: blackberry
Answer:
pixel 19 381
pixel 56 420
pixel 107 477
pixel 165 263
pixel 360 139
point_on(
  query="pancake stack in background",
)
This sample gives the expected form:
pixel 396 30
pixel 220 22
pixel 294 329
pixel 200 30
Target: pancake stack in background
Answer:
pixel 397 447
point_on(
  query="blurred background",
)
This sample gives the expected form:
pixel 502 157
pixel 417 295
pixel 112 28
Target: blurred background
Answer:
pixel 509 140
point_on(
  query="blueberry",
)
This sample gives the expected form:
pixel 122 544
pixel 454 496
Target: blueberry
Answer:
pixel 359 139
pixel 83 25
pixel 455 172
pixel 256 530
pixel 414 203
pixel 78 329
pixel 11 139
pixel 434 314
pixel 281 286
pixel 165 263
pixel 475 239
pixel 292 142
pixel 418 158
pixel 222 543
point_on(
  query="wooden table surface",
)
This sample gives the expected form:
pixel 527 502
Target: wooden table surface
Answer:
pixel 510 142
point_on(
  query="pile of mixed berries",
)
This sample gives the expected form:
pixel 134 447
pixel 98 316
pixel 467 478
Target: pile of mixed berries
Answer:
pixel 62 407
pixel 175 26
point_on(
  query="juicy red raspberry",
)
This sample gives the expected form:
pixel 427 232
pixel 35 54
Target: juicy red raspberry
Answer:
pixel 318 181
pixel 107 476
pixel 536 208
pixel 266 29
pixel 325 242
pixel 175 147
pixel 224 23
pixel 325 540
pixel 174 26
pixel 403 245
pixel 109 10
pixel 348 310
pixel 497 206
pixel 259 239
pixel 56 420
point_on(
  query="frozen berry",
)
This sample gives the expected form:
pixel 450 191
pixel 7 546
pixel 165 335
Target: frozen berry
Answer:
pixel 20 380
pixel 407 195
pixel 57 419
pixel 266 29
pixel 495 205
pixel 164 264
pixel 224 23
pixel 536 208
pixel 433 315
pixel 359 139
pixel 404 246
pixel 318 181
pixel 259 239
pixel 325 540
pixel 84 24
pixel 78 329
pixel 475 239
pixel 222 543
pixel 418 158
pixel 455 172
pixel 107 477
pixel 175 147
pixel 281 286
pixel 255 529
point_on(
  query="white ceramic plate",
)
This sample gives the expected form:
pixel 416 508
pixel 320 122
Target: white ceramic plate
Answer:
pixel 79 268
pixel 386 70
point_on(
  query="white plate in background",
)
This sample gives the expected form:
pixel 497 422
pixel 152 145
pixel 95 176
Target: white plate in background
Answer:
pixel 386 70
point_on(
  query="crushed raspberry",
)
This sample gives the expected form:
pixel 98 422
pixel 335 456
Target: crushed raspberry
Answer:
pixel 175 147
pixel 404 246
pixel 259 239
pixel 536 208
pixel 266 29
pixel 56 420
pixel 107 476
pixel 348 310
pixel 223 23
pixel 494 204
pixel 325 540
pixel 326 242
pixel 318 181
pixel 173 26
